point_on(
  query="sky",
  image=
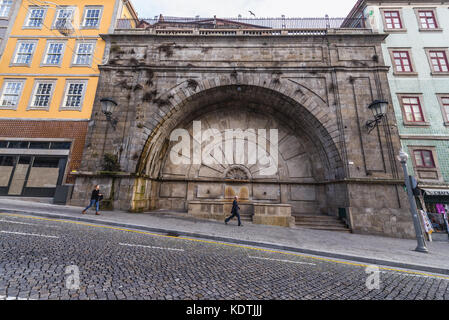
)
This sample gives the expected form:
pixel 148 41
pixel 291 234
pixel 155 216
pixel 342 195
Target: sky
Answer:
pixel 232 8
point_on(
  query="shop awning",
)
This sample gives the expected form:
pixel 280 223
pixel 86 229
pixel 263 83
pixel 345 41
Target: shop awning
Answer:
pixel 436 192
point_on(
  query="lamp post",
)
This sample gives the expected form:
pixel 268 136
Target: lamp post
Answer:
pixel 379 110
pixel 403 157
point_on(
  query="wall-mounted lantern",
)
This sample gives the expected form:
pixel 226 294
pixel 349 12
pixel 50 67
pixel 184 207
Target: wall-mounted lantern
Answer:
pixel 108 106
pixel 379 110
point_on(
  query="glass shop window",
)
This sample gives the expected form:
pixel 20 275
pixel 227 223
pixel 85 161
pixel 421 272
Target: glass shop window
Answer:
pixel 43 162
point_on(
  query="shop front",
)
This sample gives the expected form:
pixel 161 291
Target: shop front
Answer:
pixel 436 203
pixel 32 168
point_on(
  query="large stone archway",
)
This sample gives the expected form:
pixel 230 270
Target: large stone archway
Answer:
pixel 302 165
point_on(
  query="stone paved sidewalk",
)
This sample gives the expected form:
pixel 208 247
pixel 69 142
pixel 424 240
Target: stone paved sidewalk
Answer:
pixel 363 248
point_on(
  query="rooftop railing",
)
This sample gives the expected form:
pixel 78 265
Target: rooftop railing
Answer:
pixel 237 26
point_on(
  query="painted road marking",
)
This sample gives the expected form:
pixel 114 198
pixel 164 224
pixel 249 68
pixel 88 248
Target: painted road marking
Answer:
pixel 13 298
pixel 226 244
pixel 149 247
pixel 29 234
pixel 17 222
pixel 280 260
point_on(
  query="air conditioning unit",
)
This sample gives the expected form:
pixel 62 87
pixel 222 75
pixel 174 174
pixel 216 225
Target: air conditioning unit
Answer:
pixel 64 26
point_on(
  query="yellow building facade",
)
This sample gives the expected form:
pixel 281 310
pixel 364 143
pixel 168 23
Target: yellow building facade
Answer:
pixel 48 81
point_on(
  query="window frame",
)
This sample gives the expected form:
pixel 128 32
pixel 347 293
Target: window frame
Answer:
pixel 413 71
pixel 401 20
pixel 424 166
pixel 33 94
pixel 100 16
pixel 429 58
pixel 47 47
pixel 55 19
pixel 425 170
pixel 6 6
pixel 63 106
pixel 407 122
pixel 75 54
pixel 19 95
pixel 434 15
pixel 16 50
pixel 443 106
pixel 28 16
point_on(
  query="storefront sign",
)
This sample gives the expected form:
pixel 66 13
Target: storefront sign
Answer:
pixel 437 192
pixel 427 224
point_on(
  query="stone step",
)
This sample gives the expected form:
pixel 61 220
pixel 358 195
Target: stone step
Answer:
pixel 320 222
pixel 322 216
pixel 339 229
pixel 306 225
pixel 325 218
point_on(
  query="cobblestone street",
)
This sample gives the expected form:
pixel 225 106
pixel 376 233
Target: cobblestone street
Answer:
pixel 123 264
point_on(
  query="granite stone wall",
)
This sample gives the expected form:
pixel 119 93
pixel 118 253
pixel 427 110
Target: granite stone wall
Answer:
pixel 314 88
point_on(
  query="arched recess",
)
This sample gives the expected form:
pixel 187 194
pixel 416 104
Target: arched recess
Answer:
pixel 302 117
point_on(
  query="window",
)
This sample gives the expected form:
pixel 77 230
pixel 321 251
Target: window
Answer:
pixel 42 95
pixel 392 20
pixel 5 7
pixel 7 161
pixel 56 145
pixel 18 145
pixel 11 93
pixel 84 52
pixel 64 17
pixel 24 52
pixel 402 62
pixel 60 145
pixel 444 102
pixel 438 60
pixel 74 95
pixel 412 109
pixel 427 19
pixel 42 162
pixel 424 159
pixel 54 53
pixel 92 17
pixel 35 18
pixel 39 145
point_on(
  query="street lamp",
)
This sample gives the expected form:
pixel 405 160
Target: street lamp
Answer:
pixel 379 110
pixel 403 157
pixel 108 106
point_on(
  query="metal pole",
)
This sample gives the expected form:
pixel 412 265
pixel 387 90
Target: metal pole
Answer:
pixel 419 236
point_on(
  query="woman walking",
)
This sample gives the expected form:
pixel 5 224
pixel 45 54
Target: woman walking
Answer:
pixel 95 200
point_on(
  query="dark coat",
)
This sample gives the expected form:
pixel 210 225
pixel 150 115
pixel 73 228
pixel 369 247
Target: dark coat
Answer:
pixel 95 195
pixel 235 208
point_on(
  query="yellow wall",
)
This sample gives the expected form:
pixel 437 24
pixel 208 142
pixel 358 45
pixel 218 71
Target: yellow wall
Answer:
pixel 65 71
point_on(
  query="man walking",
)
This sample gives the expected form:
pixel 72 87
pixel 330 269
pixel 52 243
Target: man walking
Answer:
pixel 235 212
pixel 95 200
